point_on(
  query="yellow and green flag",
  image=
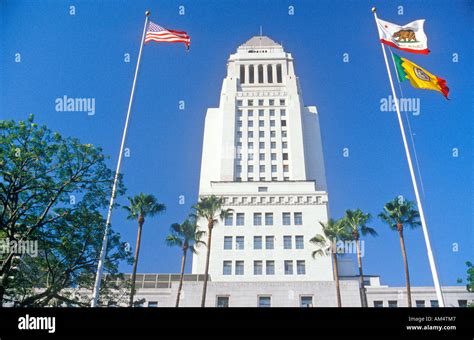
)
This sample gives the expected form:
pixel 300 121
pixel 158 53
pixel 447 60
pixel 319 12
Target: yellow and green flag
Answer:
pixel 418 76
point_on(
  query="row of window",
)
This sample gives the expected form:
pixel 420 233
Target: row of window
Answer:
pixel 261 145
pixel 261 134
pixel 269 267
pixel 257 218
pixel 261 179
pixel 261 156
pixel 261 102
pixel 256 74
pixel 261 112
pixel 261 168
pixel 261 123
pixel 265 301
pixel 418 303
pixel 258 242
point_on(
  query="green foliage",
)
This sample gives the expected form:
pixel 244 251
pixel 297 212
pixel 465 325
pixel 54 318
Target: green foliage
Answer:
pixel 52 191
pixel 143 205
pixel 185 235
pixel 470 276
pixel 210 208
pixel 400 213
pixel 356 221
pixel 333 231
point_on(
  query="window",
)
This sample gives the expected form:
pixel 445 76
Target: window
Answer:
pixel 250 179
pixel 392 303
pixel 300 267
pixel 273 145
pixel 288 267
pixel 271 102
pixel 282 101
pixel 299 242
pixel 262 168
pixel 283 133
pixel 286 216
pixel 239 113
pixel 268 218
pixel 239 267
pixel 270 267
pixel 420 303
pixel 378 303
pixel 284 145
pixel 264 301
pixel 250 157
pixel 261 145
pixel 251 74
pixel 286 178
pixel 250 123
pixel 286 168
pixel 272 123
pixel 260 74
pixel 227 242
pixel 227 268
pixel 261 123
pixel 269 74
pixel 250 168
pixel 261 113
pixel 257 219
pixel 274 156
pixel 239 134
pixel 272 133
pixel 153 304
pixel 239 102
pixel 250 102
pixel 262 189
pixel 240 217
pixel 274 168
pixel 250 134
pixel 283 123
pixel 286 242
pixel 239 242
pixel 260 102
pixel 306 301
pixel 242 74
pixel 462 303
pixel 269 242
pixel 239 124
pixel 272 113
pixel 298 218
pixel 250 113
pixel 257 267
pixel 229 219
pixel 274 179
pixel 434 303
pixel 222 301
pixel 279 76
pixel 285 156
pixel 261 134
pixel 257 242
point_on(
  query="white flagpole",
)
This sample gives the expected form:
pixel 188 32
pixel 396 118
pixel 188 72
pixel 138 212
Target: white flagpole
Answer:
pixel 431 261
pixel 103 251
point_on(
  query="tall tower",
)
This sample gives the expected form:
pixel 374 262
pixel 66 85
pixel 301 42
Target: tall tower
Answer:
pixel 262 152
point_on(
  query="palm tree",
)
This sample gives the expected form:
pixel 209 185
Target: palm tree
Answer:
pixel 396 214
pixel 356 222
pixel 210 209
pixel 141 206
pixel 185 236
pixel 333 231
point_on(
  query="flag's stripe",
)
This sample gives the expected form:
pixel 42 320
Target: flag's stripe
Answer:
pixel 425 51
pixel 402 76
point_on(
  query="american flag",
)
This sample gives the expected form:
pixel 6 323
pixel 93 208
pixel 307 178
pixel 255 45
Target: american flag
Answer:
pixel 157 33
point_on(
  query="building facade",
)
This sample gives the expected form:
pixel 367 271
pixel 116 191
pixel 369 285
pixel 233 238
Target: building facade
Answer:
pixel 262 153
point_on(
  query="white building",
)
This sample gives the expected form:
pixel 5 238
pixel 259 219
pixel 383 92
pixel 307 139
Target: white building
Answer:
pixel 262 152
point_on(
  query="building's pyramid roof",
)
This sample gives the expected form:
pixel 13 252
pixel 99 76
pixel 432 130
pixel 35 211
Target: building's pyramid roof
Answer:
pixel 260 41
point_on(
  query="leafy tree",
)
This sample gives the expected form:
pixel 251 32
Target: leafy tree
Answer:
pixel 333 231
pixel 52 191
pixel 185 236
pixel 470 276
pixel 141 206
pixel 211 210
pixel 397 214
pixel 356 221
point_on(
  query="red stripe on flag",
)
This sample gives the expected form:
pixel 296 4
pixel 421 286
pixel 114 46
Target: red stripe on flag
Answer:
pixel 390 43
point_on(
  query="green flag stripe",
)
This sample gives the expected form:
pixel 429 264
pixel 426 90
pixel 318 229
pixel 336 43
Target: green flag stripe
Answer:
pixel 398 66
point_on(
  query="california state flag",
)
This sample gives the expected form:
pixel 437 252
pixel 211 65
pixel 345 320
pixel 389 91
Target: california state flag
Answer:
pixel 409 38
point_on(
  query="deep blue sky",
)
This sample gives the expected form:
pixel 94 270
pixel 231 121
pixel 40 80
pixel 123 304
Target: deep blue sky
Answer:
pixel 83 56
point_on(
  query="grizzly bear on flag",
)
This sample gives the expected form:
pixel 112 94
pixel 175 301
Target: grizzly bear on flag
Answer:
pixel 405 35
